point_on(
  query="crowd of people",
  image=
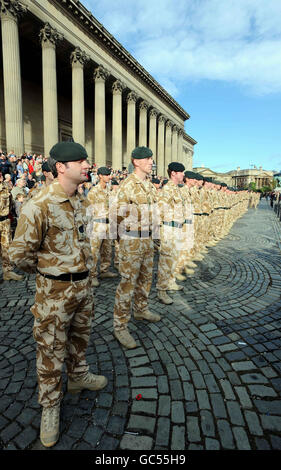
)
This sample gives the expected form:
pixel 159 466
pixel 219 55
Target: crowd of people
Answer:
pixel 274 198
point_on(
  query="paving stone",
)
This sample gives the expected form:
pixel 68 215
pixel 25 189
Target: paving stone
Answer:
pixel 141 423
pixel 212 444
pixel 178 438
pixel 225 433
pixel 241 438
pixel 272 423
pixel 130 442
pixel 163 432
pixel 253 423
pixel 192 429
pixel 262 391
pixel 207 423
pixel 243 397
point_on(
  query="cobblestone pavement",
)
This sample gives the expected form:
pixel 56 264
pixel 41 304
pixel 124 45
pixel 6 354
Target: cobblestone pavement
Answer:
pixel 209 373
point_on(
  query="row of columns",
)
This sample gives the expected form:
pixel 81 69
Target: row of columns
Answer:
pixel 165 139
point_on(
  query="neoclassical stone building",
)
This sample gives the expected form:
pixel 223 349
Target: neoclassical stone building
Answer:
pixel 239 178
pixel 62 74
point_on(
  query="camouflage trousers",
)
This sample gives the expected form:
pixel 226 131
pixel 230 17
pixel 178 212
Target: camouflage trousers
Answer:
pixel 101 248
pixel 135 267
pixel 5 241
pixel 63 312
pixel 185 253
pixel 172 244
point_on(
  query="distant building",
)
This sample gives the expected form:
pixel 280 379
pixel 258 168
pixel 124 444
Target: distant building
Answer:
pixel 239 178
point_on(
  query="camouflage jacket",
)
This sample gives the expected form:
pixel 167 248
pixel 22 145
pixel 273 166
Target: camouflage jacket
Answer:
pixel 135 204
pixel 172 203
pixel 51 234
pixel 99 201
pixel 5 200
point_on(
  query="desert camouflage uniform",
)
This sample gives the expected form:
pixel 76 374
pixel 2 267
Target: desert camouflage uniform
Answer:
pixel 5 226
pixel 188 231
pixel 135 202
pixel 172 207
pixel 51 239
pixel 101 243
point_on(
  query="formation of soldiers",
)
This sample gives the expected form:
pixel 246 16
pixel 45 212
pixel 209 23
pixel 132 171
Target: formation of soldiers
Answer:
pixel 64 237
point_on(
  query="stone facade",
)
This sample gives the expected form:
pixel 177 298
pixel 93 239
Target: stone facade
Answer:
pixel 239 178
pixel 62 74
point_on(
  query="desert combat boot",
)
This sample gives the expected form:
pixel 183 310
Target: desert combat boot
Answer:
pixel 124 337
pixel 147 315
pixel 49 429
pixel 88 382
pixel 164 298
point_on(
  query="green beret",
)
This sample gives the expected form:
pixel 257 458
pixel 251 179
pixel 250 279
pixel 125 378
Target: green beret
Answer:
pixel 192 175
pixel 45 167
pixel 103 170
pixel 68 152
pixel 176 166
pixel 164 182
pixel 141 152
pixel 114 183
pixel 155 181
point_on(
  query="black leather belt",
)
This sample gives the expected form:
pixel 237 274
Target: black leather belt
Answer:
pixel 104 221
pixel 67 277
pixel 202 213
pixel 173 224
pixel 3 217
pixel 138 233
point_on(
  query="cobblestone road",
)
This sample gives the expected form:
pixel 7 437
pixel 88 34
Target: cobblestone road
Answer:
pixel 209 373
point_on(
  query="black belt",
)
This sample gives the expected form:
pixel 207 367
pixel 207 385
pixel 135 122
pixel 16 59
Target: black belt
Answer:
pixel 173 224
pixel 202 213
pixel 188 221
pixel 67 276
pixel 104 221
pixel 138 233
pixel 3 217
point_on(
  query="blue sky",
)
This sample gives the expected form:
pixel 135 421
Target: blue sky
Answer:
pixel 220 60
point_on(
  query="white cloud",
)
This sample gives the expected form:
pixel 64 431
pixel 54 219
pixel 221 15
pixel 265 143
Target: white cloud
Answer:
pixel 229 40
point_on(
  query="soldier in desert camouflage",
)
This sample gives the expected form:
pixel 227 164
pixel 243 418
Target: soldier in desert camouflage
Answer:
pixel 5 232
pixel 51 240
pixel 172 207
pixel 101 244
pixel 135 200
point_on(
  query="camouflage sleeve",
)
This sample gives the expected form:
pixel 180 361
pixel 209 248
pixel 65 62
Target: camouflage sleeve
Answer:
pixel 28 237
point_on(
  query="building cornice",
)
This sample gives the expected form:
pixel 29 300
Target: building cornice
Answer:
pixel 75 10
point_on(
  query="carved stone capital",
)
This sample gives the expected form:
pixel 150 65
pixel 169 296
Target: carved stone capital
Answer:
pixel 169 124
pixel 49 35
pixel 153 113
pixel 175 128
pixel 162 119
pixel 12 8
pixel 144 105
pixel 181 132
pixel 78 57
pixel 118 87
pixel 101 73
pixel 132 97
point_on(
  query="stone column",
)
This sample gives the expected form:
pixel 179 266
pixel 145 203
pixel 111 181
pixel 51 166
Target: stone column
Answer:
pixel 180 145
pixel 117 89
pixel 131 125
pixel 168 143
pixel 100 75
pixel 78 59
pixel 143 124
pixel 10 12
pixel 175 143
pixel 152 133
pixel 161 169
pixel 49 38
